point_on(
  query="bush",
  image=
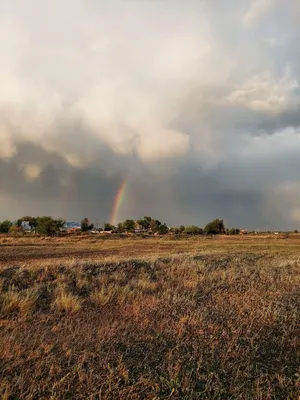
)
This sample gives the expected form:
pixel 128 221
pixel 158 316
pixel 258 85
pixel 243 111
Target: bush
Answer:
pixel 234 231
pixel 193 230
pixel 15 230
pixel 5 226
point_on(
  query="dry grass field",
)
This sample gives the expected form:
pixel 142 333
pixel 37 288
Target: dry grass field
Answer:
pixel 84 318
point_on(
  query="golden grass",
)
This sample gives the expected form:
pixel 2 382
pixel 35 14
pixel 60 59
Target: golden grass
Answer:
pixel 18 301
pixel 103 296
pixel 210 324
pixel 67 302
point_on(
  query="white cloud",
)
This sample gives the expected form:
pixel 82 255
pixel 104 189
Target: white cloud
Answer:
pixel 264 93
pixel 257 9
pixel 117 74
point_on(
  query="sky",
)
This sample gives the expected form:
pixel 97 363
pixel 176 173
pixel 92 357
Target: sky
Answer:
pixel 195 103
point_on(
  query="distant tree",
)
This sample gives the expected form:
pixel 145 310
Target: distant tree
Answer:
pixel 193 230
pixel 85 225
pixel 154 225
pixel 141 222
pixel 296 231
pixel 178 229
pixel 129 225
pixel 5 226
pixel 145 222
pixel 162 229
pixel 215 227
pixel 120 227
pixel 48 226
pixel 234 231
pixel 108 227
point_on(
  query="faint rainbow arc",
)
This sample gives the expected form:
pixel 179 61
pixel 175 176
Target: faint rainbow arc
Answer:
pixel 117 201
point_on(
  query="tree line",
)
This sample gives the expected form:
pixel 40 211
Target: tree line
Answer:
pixel 46 225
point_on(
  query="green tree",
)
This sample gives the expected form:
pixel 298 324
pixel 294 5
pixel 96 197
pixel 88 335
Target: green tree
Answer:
pixel 215 227
pixel 145 222
pixel 109 227
pixel 193 230
pixel 49 226
pixel 120 227
pixel 234 231
pixel 4 226
pixel 129 225
pixel 85 225
pixel 178 229
pixel 162 229
pixel 154 225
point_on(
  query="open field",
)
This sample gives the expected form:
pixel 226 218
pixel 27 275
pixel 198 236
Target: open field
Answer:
pixel 35 249
pixel 83 318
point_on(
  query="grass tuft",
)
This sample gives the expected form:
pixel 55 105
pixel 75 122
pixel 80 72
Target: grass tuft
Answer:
pixel 67 302
pixel 104 295
pixel 22 301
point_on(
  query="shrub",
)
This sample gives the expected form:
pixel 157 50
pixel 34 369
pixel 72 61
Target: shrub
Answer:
pixel 5 226
pixel 193 230
pixel 15 231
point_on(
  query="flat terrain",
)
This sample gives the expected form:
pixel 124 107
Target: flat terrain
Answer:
pixel 35 249
pixel 159 318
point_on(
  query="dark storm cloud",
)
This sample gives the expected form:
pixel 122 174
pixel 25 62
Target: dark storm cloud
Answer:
pixel 60 189
pixel 286 119
pixel 196 105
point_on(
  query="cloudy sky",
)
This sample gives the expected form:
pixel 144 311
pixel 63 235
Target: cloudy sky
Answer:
pixel 195 103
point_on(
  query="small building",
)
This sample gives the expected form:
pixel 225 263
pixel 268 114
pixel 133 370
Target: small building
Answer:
pixel 72 227
pixel 25 225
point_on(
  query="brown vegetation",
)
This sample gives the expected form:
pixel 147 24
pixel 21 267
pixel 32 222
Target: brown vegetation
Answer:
pixel 217 322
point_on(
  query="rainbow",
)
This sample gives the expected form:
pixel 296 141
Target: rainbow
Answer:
pixel 117 202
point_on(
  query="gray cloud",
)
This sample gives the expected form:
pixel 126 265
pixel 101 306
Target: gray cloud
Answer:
pixel 197 105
